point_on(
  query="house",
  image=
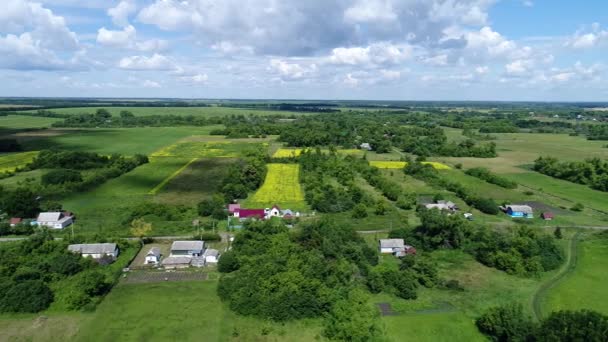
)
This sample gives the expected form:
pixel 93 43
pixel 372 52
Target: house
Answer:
pixel 275 211
pixel 389 246
pixel 153 256
pixel 95 250
pixel 442 205
pixel 187 249
pixel 520 211
pixel 232 207
pixel 174 262
pixel 547 216
pixel 15 221
pixel 244 214
pixel 211 256
pixel 54 220
pixel 366 146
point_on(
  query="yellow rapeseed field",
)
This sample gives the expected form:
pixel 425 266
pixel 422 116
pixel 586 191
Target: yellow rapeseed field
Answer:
pixel 381 164
pixel 281 187
pixel 295 152
pixel 197 149
pixel 8 163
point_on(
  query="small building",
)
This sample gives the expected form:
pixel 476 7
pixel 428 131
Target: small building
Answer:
pixel 187 248
pixel 442 205
pixel 366 146
pixel 245 214
pixel 520 211
pixel 389 246
pixel 54 220
pixel 153 256
pixel 232 207
pixel 211 256
pixel 175 262
pixel 15 221
pixel 95 250
pixel 275 211
pixel 406 250
pixel 468 216
pixel 547 216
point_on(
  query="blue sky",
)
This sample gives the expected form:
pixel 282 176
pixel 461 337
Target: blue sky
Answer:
pixel 316 49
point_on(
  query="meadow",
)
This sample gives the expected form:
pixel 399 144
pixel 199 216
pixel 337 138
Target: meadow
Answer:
pixel 199 149
pixel 10 162
pixel 384 164
pixel 23 121
pixel 281 187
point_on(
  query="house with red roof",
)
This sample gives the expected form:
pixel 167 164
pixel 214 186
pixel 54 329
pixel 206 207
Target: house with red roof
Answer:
pixel 232 207
pixel 244 214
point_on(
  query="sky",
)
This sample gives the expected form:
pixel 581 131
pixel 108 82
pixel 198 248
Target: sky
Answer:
pixel 504 50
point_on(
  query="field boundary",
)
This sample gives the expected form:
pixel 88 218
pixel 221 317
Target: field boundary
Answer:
pixel 162 184
pixel 568 268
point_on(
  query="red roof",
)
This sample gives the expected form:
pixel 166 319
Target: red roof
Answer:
pixel 548 215
pixel 276 206
pixel 233 207
pixel 15 220
pixel 251 213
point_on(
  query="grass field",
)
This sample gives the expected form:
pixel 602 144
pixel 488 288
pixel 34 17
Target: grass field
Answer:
pixel 295 152
pixel 281 187
pixel 192 149
pixel 23 121
pixel 9 162
pixel 195 111
pixel 585 287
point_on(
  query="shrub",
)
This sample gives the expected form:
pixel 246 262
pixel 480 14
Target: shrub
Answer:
pixel 359 211
pixel 27 296
pixel 506 323
pixel 61 176
pixel 228 262
pixel 66 264
pixel 577 207
pixel 486 205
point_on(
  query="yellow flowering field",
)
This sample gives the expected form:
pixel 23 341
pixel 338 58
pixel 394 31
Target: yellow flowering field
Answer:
pixel 295 152
pixel 9 162
pixel 381 164
pixel 198 149
pixel 281 187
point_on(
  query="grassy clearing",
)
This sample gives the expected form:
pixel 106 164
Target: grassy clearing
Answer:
pixel 22 121
pixel 126 141
pixel 584 288
pixel 40 327
pixel 10 162
pixel 195 111
pixel 448 327
pixel 281 187
pixel 185 311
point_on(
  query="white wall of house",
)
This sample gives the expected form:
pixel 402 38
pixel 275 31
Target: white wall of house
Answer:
pixel 386 250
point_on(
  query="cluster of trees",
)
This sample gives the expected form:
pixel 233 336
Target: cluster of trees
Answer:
pixel 21 202
pixel 523 251
pixel 597 132
pixel 103 118
pixel 592 172
pixel 29 268
pixel 428 174
pixel 509 323
pixel 24 228
pixel 246 175
pixel 403 280
pixel 488 176
pixel 242 126
pixel 276 274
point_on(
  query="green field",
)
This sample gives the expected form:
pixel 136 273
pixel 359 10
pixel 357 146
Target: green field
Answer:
pixel 585 286
pixel 22 121
pixel 212 111
pixel 9 162
pixel 281 187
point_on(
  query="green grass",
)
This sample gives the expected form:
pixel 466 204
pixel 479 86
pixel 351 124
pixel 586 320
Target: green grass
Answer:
pixel 585 287
pixel 195 111
pixel 23 121
pixel 9 162
pixel 434 327
pixel 185 311
pixel 127 141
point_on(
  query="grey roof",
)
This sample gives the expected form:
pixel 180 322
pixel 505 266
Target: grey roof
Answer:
pixel 521 208
pixel 187 245
pixel 177 261
pixel 93 248
pixel 211 252
pixel 49 216
pixel 287 212
pixel 392 243
pixel 155 251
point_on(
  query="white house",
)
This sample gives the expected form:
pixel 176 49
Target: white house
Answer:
pixel 275 211
pixel 389 246
pixel 187 248
pixel 211 256
pixel 153 256
pixel 95 250
pixel 54 220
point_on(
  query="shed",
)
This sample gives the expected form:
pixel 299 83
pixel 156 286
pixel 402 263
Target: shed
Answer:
pixel 211 256
pixel 187 248
pixel 388 246
pixel 520 211
pixel 153 256
pixel 548 216
pixel 174 262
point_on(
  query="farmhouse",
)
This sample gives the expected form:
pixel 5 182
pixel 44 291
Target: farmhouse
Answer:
pixel 54 220
pixel 153 256
pixel 388 246
pixel 520 211
pixel 187 249
pixel 275 211
pixel 95 250
pixel 211 256
pixel 244 214
pixel 442 205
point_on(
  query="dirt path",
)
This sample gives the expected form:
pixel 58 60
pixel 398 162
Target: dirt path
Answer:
pixel 569 266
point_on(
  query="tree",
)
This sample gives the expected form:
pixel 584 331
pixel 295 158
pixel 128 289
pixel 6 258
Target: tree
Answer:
pixel 103 114
pixel 61 176
pixel 228 263
pixel 558 233
pixel 582 325
pixel 505 324
pixel 27 296
pixel 359 211
pixel 66 264
pixel 20 203
pixel 140 228
pixel 380 208
pixel 352 319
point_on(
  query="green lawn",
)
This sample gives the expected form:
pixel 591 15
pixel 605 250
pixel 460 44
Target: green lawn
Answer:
pixel 185 311
pixel 195 111
pixel 585 287
pixel 22 121
pixel 433 327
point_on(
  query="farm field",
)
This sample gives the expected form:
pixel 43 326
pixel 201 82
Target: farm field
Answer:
pixel 23 121
pixel 295 152
pixel 381 164
pixel 584 287
pixel 213 111
pixel 193 149
pixel 281 187
pixel 9 162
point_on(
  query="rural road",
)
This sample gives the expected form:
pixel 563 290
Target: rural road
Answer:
pixel 569 266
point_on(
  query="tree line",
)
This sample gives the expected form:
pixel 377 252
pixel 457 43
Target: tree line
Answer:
pixel 592 172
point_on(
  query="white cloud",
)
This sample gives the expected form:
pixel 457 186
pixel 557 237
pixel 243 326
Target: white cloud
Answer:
pixel 365 11
pixel 520 67
pixel 379 53
pixel 151 84
pixel 229 48
pixel 198 78
pixel 123 38
pixel 585 40
pixel 120 13
pixel 291 71
pixel 482 70
pixel 438 60
pixel 155 62
pixel 350 81
pixel 390 75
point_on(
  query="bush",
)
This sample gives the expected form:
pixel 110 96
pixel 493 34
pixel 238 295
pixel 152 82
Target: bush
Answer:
pixel 359 211
pixel 61 176
pixel 577 207
pixel 486 205
pixel 228 262
pixel 506 323
pixel 66 264
pixel 27 296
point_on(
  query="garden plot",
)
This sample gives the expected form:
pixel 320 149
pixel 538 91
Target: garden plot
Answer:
pixel 281 187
